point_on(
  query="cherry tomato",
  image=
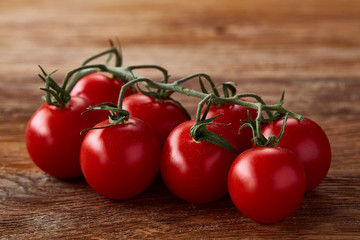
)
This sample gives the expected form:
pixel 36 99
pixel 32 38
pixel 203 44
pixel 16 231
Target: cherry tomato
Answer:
pixel 99 88
pixel 266 184
pixel 233 114
pixel 309 143
pixel 53 136
pixel 162 116
pixel 195 171
pixel 121 161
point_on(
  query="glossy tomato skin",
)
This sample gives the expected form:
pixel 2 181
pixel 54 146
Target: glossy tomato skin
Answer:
pixel 233 114
pixel 266 184
pixel 99 88
pixel 309 143
pixel 121 161
pixel 53 137
pixel 194 171
pixel 163 117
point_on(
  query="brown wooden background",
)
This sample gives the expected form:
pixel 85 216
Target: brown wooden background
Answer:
pixel 310 49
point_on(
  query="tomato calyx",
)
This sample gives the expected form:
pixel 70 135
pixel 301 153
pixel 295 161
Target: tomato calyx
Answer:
pixel 54 94
pixel 200 132
pixel 259 139
pixel 274 112
pixel 116 115
pixel 212 85
pixel 59 96
pixel 228 89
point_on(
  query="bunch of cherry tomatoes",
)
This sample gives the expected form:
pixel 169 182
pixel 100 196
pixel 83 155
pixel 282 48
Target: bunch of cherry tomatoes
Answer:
pixel 120 144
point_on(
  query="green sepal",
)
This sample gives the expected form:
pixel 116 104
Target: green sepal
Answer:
pixel 206 111
pixel 202 86
pixel 228 86
pixel 116 115
pixel 111 52
pixel 200 132
pixel 259 139
pixel 54 94
pixel 56 101
pixel 151 93
pixel 52 83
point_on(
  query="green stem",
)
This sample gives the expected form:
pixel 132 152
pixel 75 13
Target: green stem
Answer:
pixel 259 134
pixel 50 80
pixel 200 107
pixel 132 78
pixel 161 69
pixel 199 128
pixel 200 132
pixel 180 106
pixel 175 87
pixel 79 75
pixel 95 67
pixel 275 107
pixel 49 93
pixel 258 98
pixel 126 86
pixel 112 50
pixel 167 86
pixel 279 108
pixel 199 75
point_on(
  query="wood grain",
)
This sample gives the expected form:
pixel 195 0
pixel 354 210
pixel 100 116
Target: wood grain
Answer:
pixel 70 209
pixel 309 49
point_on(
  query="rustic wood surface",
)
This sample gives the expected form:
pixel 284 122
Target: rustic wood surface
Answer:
pixel 310 49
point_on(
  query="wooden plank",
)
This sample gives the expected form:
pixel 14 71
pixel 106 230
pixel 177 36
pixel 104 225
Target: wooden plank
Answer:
pixel 39 205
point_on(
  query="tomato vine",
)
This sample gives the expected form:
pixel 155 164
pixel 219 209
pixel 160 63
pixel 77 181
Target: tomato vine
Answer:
pixel 165 89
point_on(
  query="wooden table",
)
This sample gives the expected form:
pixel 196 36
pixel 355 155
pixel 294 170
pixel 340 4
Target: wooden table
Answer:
pixel 310 49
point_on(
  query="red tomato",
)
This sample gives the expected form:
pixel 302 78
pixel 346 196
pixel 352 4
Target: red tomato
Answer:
pixel 195 171
pixel 99 88
pixel 163 116
pixel 121 161
pixel 309 143
pixel 53 136
pixel 233 114
pixel 266 184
